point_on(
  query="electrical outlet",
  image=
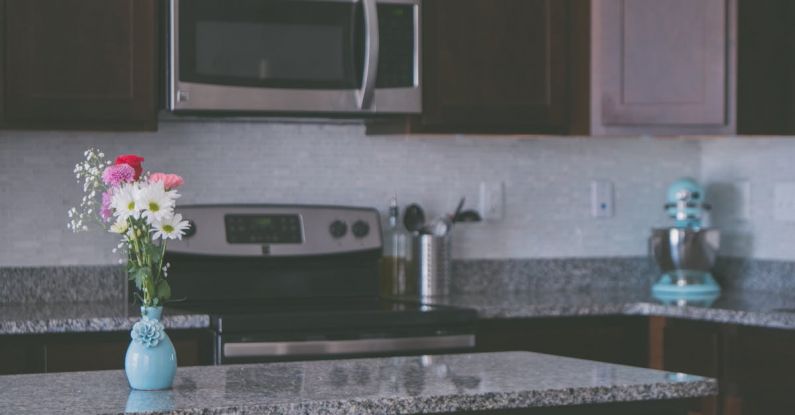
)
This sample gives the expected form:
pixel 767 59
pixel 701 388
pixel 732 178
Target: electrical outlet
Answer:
pixel 602 199
pixel 492 200
pixel 784 201
pixel 743 189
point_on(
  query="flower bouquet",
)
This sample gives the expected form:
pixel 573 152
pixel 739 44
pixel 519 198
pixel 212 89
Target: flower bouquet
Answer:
pixel 139 207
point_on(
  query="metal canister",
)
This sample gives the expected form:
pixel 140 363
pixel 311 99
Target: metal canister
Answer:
pixel 431 259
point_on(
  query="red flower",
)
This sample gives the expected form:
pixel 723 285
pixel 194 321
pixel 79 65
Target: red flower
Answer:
pixel 133 161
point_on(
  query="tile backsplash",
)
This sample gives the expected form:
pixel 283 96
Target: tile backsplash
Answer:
pixel 735 169
pixel 547 182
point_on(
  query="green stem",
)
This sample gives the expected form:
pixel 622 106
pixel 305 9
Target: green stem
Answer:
pixel 162 254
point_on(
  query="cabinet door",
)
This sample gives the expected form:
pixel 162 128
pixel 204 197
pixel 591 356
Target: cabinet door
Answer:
pixel 761 366
pixel 87 64
pixel 20 355
pixel 694 348
pixel 663 66
pixel 608 339
pixel 494 65
pixel 104 351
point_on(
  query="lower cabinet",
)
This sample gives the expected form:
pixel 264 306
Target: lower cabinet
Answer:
pixel 91 351
pixel 755 366
pixel 620 340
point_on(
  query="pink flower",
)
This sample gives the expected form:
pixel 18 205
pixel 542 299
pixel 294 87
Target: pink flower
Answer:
pixel 170 181
pixel 104 210
pixel 117 174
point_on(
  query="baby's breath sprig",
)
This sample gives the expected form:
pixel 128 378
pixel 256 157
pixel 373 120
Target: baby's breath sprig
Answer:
pixel 89 173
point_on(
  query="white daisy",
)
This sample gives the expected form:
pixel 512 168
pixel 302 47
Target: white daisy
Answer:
pixel 156 203
pixel 124 202
pixel 119 227
pixel 170 228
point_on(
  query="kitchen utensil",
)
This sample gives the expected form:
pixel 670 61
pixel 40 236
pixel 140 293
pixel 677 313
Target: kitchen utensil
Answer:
pixel 458 209
pixel 468 216
pixel 440 226
pixel 414 218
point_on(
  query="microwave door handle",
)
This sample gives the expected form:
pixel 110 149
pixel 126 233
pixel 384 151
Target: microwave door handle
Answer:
pixel 372 44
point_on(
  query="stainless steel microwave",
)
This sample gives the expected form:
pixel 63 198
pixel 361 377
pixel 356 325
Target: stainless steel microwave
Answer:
pixel 318 56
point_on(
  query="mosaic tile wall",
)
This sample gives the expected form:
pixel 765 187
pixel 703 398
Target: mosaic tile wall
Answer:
pixel 547 182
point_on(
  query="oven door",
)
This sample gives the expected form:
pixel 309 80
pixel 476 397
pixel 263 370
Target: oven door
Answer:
pixel 294 56
pixel 256 348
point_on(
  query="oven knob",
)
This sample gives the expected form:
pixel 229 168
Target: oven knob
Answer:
pixel 360 229
pixel 190 230
pixel 338 229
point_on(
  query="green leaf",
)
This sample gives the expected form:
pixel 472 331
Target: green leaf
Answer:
pixel 164 290
pixel 138 275
pixel 153 251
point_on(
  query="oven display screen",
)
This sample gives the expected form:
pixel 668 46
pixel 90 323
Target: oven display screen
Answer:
pixel 263 229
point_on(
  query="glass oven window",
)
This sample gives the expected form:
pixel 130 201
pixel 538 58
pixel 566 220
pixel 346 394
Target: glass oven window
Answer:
pixel 276 44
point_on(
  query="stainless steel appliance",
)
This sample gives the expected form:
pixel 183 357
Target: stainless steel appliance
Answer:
pixel 319 56
pixel 301 282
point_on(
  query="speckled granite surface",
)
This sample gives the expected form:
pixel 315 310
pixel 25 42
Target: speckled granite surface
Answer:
pixel 753 308
pixel 85 317
pixel 397 385
pixel 496 288
pixel 64 284
pixel 750 274
pixel 553 274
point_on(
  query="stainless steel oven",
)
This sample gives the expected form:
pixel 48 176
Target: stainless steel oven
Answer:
pixel 284 56
pixel 291 282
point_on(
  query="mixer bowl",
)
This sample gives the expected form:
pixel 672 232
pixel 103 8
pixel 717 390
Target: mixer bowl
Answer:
pixel 678 249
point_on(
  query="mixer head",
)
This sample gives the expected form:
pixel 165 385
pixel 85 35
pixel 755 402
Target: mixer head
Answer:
pixel 685 203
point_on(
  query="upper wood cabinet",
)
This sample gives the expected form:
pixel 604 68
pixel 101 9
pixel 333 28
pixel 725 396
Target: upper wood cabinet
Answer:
pixel 598 67
pixel 766 67
pixel 663 66
pixel 82 64
pixel 495 65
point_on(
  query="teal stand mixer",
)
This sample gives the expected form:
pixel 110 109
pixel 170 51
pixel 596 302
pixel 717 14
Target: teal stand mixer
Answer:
pixel 686 251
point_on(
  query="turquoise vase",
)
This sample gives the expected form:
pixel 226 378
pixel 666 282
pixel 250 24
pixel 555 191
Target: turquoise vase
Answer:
pixel 151 360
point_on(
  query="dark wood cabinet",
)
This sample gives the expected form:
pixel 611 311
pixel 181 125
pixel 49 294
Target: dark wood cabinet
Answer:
pixel 80 64
pixel 92 351
pixel 754 366
pixel 495 65
pixel 695 348
pixel 766 67
pixel 601 67
pixel 608 339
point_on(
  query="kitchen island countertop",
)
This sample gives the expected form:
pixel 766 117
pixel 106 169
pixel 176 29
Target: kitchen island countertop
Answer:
pixel 397 385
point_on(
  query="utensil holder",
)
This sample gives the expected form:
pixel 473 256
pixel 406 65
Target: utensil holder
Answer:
pixel 431 258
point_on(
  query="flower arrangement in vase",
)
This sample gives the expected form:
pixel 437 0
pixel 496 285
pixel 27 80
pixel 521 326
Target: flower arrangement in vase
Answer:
pixel 138 207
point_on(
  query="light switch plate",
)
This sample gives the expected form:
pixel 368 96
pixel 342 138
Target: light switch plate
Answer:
pixel 492 200
pixel 602 199
pixel 784 201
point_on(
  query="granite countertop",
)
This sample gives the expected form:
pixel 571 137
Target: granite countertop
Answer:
pixel 752 308
pixel 86 317
pixel 396 385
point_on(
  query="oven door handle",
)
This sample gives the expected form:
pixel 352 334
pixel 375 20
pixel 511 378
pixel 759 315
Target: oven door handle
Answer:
pixel 372 44
pixel 341 347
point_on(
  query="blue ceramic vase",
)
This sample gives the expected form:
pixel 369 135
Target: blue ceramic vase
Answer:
pixel 151 360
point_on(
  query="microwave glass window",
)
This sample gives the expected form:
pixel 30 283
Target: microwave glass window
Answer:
pixel 262 52
pixel 275 44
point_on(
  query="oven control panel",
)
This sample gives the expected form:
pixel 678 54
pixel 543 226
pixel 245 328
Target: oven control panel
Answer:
pixel 277 230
